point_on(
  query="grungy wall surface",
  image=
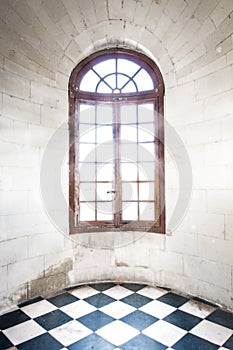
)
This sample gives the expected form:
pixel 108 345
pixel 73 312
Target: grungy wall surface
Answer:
pixel 41 43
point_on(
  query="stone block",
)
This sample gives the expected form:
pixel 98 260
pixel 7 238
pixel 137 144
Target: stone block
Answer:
pixel 57 263
pixel 45 243
pixel 175 8
pixel 73 51
pixel 210 225
pixel 204 9
pixel 49 96
pixel 101 11
pixel 230 57
pixel 29 269
pixel 13 251
pixel 220 201
pixel 25 224
pixel 3 227
pixel 221 11
pixel 42 286
pixel 14 85
pixel 13 202
pixel 3 278
pixel 75 14
pixel 229 227
pixel 215 294
pixel 215 83
pixel 215 249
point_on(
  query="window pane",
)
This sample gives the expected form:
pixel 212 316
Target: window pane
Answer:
pixel 104 133
pixel 89 81
pixel 103 114
pixel 129 114
pixel 104 89
pixel 129 191
pixel 130 87
pixel 146 113
pixel 129 152
pixel 105 67
pixel 86 152
pixel 104 192
pixel 146 152
pixel 87 114
pixel 145 133
pixel 126 66
pixel 87 171
pixel 121 80
pixel 147 171
pixel 105 172
pixel 105 152
pixel 147 211
pixel 104 211
pixel 86 133
pixel 128 133
pixel 87 192
pixel 143 81
pixel 129 172
pixel 146 191
pixel 87 212
pixel 130 211
pixel 111 80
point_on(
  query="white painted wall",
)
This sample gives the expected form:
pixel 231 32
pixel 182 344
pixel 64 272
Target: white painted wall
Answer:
pixel 192 42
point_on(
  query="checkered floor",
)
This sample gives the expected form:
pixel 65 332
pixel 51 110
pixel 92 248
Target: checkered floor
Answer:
pixel 107 316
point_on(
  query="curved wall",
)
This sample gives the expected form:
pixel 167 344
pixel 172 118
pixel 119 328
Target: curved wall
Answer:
pixel 42 42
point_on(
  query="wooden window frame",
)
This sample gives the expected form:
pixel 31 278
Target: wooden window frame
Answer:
pixel 155 96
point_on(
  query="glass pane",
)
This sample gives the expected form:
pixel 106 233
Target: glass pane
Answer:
pixel 146 171
pixel 87 171
pixel 111 80
pixel 146 152
pixel 89 81
pixel 147 211
pixel 86 133
pixel 146 113
pixel 129 191
pixel 86 152
pixel 104 211
pixel 130 87
pixel 103 114
pixel 87 114
pixel 130 211
pixel 104 133
pixel 87 192
pixel 105 172
pixel 104 192
pixel 145 133
pixel 146 191
pixel 128 133
pixel 129 152
pixel 105 67
pixel 87 212
pixel 126 66
pixel 129 114
pixel 105 152
pixel 143 81
pixel 121 80
pixel 129 172
pixel 104 89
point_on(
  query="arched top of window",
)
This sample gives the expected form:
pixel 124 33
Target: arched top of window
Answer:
pixel 116 71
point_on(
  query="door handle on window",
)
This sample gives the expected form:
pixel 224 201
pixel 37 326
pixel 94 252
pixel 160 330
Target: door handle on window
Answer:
pixel 111 191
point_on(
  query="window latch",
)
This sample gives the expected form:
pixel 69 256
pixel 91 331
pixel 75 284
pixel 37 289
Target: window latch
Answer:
pixel 111 191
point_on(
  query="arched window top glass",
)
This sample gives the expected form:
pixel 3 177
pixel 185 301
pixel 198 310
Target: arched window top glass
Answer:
pixel 116 75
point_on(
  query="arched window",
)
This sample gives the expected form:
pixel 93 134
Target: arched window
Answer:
pixel 116 144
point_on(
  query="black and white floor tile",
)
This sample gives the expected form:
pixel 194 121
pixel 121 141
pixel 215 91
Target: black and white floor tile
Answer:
pixel 108 316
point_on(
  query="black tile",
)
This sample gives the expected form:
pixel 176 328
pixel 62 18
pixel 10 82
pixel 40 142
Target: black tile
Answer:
pixel 96 320
pixel 142 342
pixel 139 320
pixel 173 299
pixel 30 301
pixel 136 300
pixel 203 301
pixel 224 318
pixel 183 320
pixel 133 286
pixel 229 343
pixel 12 319
pixel 42 342
pixel 101 287
pixel 62 299
pixel 94 342
pixel 4 342
pixel 52 319
pixel 99 300
pixel 192 342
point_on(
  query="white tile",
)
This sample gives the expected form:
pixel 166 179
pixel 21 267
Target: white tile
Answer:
pixel 84 292
pixel 117 309
pixel 117 332
pixel 197 309
pixel 118 292
pixel 152 292
pixel 78 309
pixel 70 332
pixel 23 332
pixel 158 309
pixel 164 332
pixel 212 332
pixel 37 309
